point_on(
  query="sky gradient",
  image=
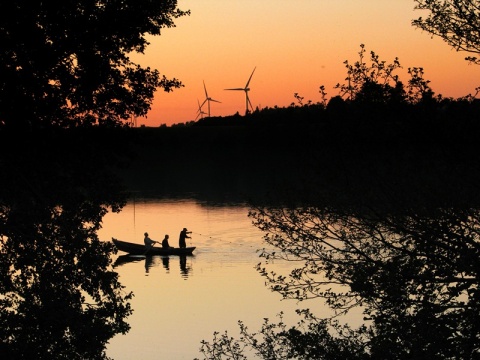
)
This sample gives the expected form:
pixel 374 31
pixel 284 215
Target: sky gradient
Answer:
pixel 296 46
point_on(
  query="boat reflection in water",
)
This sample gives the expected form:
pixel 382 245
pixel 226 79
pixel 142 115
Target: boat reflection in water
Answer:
pixel 166 263
pixel 155 261
pixel 125 259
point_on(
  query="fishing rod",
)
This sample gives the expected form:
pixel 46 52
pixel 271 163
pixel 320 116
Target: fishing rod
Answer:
pixel 201 234
pixel 208 236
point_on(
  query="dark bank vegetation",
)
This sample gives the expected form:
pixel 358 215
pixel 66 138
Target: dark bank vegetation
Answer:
pixel 379 138
pixel 59 295
pixel 67 86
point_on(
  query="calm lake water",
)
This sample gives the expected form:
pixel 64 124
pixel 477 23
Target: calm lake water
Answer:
pixel 177 303
pixel 180 302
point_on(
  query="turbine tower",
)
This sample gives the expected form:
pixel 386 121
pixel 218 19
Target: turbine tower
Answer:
pixel 207 99
pixel 246 89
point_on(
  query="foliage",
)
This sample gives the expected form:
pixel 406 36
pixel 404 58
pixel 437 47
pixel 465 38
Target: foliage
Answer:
pixel 67 64
pixel 59 295
pixel 308 340
pixel 457 22
pixel 419 90
pixel 415 276
pixel 374 81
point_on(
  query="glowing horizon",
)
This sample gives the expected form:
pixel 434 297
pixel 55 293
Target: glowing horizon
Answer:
pixel 295 47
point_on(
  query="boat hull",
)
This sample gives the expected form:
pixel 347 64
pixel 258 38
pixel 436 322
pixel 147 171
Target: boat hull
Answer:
pixel 139 249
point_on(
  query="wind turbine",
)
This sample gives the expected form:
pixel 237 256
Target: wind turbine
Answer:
pixel 208 99
pixel 246 89
pixel 200 111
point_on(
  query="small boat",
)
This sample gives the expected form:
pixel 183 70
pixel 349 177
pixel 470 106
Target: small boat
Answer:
pixel 139 249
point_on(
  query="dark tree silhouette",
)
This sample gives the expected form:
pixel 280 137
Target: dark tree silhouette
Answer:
pixel 409 271
pixel 369 80
pixel 374 82
pixel 65 66
pixel 310 339
pixel 58 293
pixel 415 276
pixel 67 63
pixel 457 22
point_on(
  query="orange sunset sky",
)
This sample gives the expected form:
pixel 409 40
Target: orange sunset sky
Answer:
pixel 296 46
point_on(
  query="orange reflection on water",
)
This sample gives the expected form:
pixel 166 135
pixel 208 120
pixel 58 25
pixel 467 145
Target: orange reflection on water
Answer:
pixel 174 309
pixel 184 300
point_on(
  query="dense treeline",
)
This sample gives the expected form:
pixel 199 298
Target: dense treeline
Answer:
pixel 372 93
pixel 376 133
pixel 346 156
pixel 355 113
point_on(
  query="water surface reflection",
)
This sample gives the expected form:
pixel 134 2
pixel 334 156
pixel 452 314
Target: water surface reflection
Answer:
pixel 188 298
pixel 153 261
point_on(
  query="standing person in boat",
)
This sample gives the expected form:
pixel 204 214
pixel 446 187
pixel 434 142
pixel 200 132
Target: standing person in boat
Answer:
pixel 165 242
pixel 149 242
pixel 183 236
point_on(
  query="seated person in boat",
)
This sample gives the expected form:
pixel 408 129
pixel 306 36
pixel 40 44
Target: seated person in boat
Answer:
pixel 149 242
pixel 165 243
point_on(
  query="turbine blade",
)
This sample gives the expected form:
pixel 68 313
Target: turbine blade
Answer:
pixel 250 78
pixel 206 95
pixel 248 101
pixel 251 106
pixel 215 100
pixel 199 110
pixel 236 89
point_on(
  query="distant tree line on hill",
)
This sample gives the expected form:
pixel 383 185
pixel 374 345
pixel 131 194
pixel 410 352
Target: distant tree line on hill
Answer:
pixel 372 92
